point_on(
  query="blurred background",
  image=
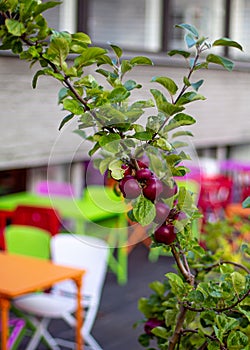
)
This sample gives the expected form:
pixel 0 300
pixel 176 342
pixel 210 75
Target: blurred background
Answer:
pixel 32 148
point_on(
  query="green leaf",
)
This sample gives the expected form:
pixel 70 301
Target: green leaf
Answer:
pixel 81 38
pixel 118 94
pixel 227 42
pixel 160 332
pixel 36 76
pixel 125 67
pixel 196 296
pixel 190 28
pixel 162 143
pixel 185 54
pixel 213 345
pixel 190 97
pixel 88 57
pixel 45 6
pixel 197 85
pixel 237 340
pixel 186 81
pixel 131 84
pixel 116 169
pixel 86 120
pixel 143 135
pixel 168 83
pixel 142 60
pixel 189 39
pixel 246 203
pixel 207 318
pixel 73 106
pixel 182 133
pixel 14 27
pixel 224 62
pixel 110 142
pixel 163 105
pixel 239 282
pixel 58 49
pixel 144 211
pixel 155 122
pixel 178 120
pixel 170 317
pixel 144 340
pixel 117 50
pixel 177 284
pixel 65 120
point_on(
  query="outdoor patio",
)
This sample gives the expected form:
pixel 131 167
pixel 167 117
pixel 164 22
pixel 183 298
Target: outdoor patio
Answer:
pixel 118 311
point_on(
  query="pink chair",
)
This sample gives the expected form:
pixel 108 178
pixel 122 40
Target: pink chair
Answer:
pixel 54 188
pixel 239 172
pixel 16 332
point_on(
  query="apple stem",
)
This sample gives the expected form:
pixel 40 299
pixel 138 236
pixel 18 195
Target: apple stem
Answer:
pixel 135 164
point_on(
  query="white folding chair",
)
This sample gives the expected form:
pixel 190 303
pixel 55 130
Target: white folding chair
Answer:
pixel 80 251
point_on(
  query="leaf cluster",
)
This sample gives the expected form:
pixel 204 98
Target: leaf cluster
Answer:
pixel 217 306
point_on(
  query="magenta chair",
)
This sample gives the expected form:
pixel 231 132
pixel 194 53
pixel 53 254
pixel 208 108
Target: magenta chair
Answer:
pixel 54 188
pixel 215 194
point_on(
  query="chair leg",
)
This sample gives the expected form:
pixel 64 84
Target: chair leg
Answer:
pixel 92 342
pixel 42 333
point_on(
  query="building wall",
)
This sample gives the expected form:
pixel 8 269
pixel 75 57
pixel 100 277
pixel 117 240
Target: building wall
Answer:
pixel 29 118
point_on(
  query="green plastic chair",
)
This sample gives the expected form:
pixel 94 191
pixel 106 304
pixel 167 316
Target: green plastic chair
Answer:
pixel 27 240
pixel 194 188
pixel 113 230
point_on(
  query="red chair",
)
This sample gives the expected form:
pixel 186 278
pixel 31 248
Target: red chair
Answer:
pixel 215 195
pixel 5 219
pixel 42 217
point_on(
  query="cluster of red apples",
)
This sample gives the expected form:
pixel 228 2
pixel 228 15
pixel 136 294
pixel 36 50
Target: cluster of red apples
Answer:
pixel 142 181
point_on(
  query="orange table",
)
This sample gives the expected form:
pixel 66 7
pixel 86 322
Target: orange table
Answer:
pixel 236 209
pixel 21 275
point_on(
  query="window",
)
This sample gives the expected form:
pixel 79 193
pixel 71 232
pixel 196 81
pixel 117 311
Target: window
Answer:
pixel 207 16
pixel 131 24
pixel 147 25
pixel 62 17
pixel 240 28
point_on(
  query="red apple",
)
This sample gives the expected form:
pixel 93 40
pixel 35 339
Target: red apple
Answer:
pixel 130 187
pixel 162 211
pixel 151 324
pixel 153 188
pixel 143 174
pixel 168 191
pixel 127 169
pixel 141 164
pixel 165 234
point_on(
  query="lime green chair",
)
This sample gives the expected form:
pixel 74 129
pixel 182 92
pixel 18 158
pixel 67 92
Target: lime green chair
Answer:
pixel 113 230
pixel 193 187
pixel 27 240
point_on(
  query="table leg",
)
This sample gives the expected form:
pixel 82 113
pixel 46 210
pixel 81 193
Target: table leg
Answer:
pixel 5 306
pixel 79 315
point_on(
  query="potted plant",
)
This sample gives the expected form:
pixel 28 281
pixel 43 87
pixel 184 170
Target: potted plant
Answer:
pixel 205 304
